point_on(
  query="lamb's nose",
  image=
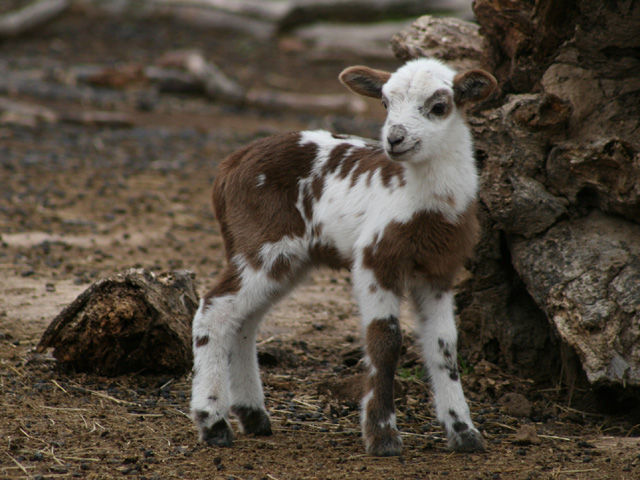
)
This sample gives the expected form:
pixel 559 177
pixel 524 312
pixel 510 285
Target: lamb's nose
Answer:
pixel 396 135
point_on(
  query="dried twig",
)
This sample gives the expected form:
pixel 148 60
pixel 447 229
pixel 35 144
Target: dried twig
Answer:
pixel 24 470
pixel 33 15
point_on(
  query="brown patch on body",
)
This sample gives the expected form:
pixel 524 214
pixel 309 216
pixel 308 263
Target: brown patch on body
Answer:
pixel 427 245
pixel 335 158
pixel 363 161
pixel 371 161
pixel 317 187
pixel 307 203
pixel 328 255
pixel 249 219
pixel 280 267
pixel 229 282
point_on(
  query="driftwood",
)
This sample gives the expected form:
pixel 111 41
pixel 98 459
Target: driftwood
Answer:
pixel 331 41
pixel 127 84
pixel 31 16
pixel 13 112
pixel 41 85
pixel 216 84
pixel 127 323
pixel 287 15
pixel 219 87
pixel 555 284
pixel 202 17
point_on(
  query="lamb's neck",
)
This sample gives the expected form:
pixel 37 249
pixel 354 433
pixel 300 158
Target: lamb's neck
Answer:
pixel 447 184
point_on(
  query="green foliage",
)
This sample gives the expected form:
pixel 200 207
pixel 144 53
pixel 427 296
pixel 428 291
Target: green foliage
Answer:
pixel 465 367
pixel 414 373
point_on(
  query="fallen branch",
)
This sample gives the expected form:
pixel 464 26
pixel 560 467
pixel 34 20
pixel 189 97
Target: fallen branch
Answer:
pixel 31 115
pixel 270 11
pixel 287 15
pixel 33 15
pixel 303 101
pixel 25 114
pixel 219 87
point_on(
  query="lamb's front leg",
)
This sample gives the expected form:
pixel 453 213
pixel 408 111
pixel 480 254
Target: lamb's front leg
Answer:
pixel 438 337
pixel 383 342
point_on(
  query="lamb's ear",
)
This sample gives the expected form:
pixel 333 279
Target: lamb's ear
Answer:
pixel 473 86
pixel 364 80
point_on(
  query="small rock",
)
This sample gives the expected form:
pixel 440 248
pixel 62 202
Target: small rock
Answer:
pixel 516 405
pixel 527 435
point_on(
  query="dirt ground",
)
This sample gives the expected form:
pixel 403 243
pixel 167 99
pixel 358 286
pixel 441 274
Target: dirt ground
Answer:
pixel 79 202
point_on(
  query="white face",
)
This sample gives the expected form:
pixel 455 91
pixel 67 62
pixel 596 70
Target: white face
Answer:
pixel 420 108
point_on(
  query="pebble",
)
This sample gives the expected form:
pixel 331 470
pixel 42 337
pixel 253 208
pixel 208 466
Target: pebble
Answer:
pixel 516 405
pixel 527 435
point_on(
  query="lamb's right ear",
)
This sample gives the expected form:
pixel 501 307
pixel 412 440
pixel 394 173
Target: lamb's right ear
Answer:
pixel 364 80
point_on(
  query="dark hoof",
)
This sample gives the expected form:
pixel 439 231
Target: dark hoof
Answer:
pixel 218 435
pixel 467 441
pixel 388 445
pixel 253 421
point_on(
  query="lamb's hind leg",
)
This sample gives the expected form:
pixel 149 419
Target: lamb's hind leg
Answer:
pixel 213 327
pixel 229 311
pixel 246 387
pixel 438 336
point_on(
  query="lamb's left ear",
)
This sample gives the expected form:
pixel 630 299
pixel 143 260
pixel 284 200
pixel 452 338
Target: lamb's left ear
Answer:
pixel 473 86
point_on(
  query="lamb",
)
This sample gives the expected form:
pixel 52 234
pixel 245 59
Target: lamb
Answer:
pixel 400 214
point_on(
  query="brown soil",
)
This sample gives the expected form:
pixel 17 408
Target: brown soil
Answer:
pixel 78 203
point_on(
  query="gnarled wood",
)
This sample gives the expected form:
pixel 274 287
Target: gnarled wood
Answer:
pixel 132 322
pixel 560 155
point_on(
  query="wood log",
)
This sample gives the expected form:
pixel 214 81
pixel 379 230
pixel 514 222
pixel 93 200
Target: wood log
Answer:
pixel 222 20
pixel 221 88
pixel 270 11
pixel 25 114
pixel 273 99
pixel 554 274
pixel 452 40
pixel 29 114
pixel 31 16
pixel 216 84
pixel 131 322
pixel 331 41
pixel 288 15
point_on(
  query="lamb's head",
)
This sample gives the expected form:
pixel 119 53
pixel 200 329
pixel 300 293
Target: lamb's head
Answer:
pixel 422 99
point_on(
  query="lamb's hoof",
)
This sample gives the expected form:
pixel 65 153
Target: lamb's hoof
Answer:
pixel 467 441
pixel 388 445
pixel 217 435
pixel 253 421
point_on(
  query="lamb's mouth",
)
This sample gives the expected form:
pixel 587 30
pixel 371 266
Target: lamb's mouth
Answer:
pixel 397 155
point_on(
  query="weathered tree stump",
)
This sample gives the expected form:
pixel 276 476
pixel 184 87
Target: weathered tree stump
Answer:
pixel 131 322
pixel 557 271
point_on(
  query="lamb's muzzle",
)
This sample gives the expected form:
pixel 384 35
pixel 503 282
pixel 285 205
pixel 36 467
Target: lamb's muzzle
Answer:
pixel 400 215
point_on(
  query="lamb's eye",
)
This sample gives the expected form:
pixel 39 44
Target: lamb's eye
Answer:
pixel 384 104
pixel 439 109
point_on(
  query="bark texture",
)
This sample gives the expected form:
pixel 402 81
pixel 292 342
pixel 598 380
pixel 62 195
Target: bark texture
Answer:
pixel 557 271
pixel 133 322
